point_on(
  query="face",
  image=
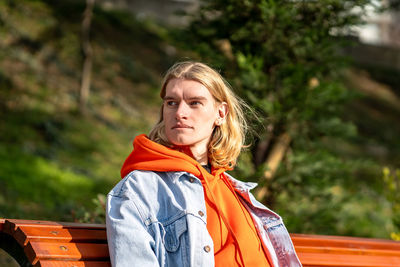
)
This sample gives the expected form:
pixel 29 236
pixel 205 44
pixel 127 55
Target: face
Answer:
pixel 190 114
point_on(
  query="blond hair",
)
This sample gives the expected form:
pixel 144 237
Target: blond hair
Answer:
pixel 227 139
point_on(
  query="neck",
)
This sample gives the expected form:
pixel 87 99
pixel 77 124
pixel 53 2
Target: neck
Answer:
pixel 201 156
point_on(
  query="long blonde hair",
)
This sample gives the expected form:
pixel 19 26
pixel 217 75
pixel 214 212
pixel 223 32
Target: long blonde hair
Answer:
pixel 228 138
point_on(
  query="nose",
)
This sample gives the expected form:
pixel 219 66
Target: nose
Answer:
pixel 182 111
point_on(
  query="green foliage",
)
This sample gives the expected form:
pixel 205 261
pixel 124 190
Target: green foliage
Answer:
pixel 392 182
pixel 279 48
pixel 321 190
pixel 54 163
pixel 37 188
pixel 283 58
pixel 96 214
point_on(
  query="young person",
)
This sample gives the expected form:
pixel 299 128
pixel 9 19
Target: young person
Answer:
pixel 176 205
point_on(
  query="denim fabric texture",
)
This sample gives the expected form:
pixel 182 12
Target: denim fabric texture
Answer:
pixel 160 219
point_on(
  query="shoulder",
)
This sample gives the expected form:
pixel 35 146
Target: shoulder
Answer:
pixel 153 194
pixel 132 181
pixel 148 182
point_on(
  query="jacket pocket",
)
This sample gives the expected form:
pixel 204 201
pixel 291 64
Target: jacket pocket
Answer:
pixel 175 234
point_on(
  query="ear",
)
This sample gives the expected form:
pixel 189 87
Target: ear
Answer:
pixel 222 113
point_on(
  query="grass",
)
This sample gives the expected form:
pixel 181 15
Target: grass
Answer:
pixel 55 161
pixel 37 188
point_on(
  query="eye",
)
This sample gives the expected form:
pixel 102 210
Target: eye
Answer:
pixel 195 103
pixel 171 103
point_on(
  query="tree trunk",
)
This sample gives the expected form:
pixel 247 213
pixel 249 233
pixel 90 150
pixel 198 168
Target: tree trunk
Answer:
pixel 273 160
pixel 87 55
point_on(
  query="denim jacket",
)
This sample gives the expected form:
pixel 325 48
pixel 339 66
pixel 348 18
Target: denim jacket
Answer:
pixel 159 219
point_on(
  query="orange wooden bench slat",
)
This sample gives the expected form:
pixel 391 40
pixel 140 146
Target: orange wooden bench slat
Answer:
pixel 49 263
pixel 348 251
pixel 23 234
pixel 11 225
pixel 341 241
pixel 36 251
pixel 340 260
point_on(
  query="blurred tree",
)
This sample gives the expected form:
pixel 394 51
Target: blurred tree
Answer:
pixel 87 55
pixel 282 58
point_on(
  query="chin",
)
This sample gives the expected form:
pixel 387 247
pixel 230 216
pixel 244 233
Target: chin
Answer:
pixel 179 141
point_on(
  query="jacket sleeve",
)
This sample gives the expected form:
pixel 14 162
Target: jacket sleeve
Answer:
pixel 129 240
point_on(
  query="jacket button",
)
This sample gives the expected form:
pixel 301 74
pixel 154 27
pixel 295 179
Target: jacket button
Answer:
pixel 207 249
pixel 201 213
pixel 191 179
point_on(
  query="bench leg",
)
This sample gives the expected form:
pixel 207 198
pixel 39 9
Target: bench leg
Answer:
pixel 9 245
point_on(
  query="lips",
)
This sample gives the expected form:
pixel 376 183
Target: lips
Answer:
pixel 181 126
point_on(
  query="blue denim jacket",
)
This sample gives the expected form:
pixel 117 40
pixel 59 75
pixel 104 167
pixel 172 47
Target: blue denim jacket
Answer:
pixel 159 219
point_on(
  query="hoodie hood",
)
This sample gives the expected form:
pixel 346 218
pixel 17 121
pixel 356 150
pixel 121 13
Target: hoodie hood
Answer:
pixel 151 156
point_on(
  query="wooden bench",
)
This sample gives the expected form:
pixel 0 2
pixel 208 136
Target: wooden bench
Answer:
pixel 45 243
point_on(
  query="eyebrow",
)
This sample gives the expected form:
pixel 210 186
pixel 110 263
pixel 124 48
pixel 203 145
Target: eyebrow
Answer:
pixel 190 98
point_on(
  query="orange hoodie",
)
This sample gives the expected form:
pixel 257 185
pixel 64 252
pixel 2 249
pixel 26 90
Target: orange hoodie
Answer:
pixel 236 242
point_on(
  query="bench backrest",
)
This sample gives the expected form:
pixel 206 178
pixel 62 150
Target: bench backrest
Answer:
pixel 46 243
